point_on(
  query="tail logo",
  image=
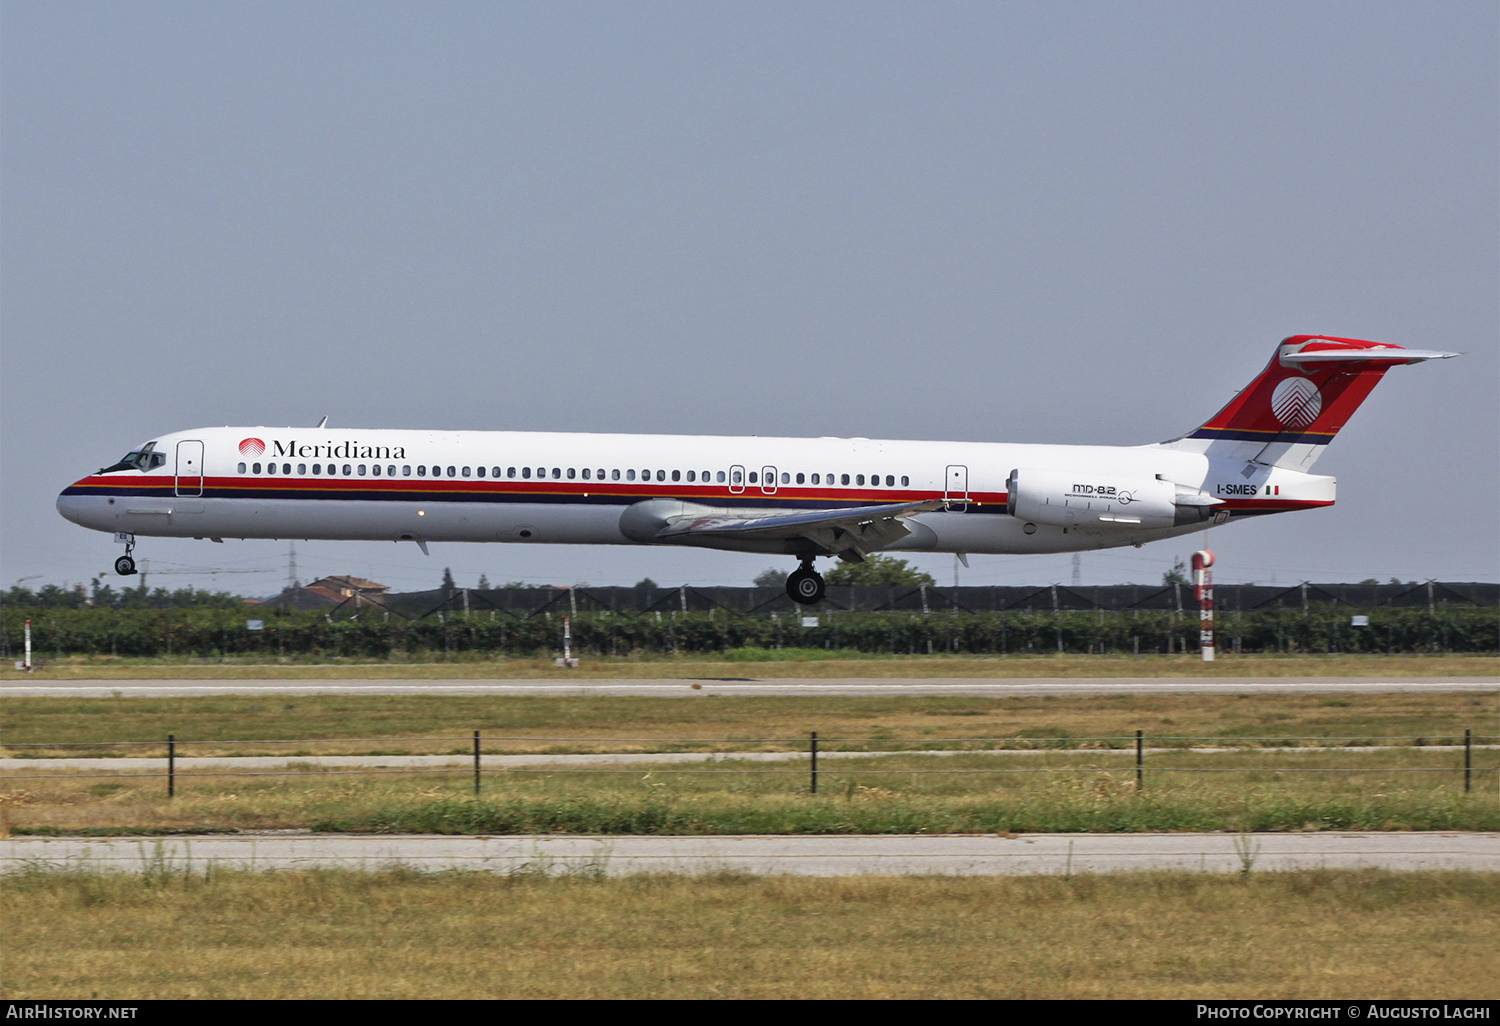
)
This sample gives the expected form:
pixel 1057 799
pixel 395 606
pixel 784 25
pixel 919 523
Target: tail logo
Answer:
pixel 1296 402
pixel 252 447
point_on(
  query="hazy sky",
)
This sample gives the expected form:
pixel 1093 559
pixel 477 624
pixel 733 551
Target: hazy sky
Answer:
pixel 1054 222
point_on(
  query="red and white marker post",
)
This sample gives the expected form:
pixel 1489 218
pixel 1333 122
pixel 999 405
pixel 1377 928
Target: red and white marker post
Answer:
pixel 1203 589
pixel 567 656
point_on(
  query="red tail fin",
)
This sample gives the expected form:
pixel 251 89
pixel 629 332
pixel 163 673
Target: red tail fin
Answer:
pixel 1308 391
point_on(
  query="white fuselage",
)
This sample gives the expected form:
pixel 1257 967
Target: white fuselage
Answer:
pixel 487 486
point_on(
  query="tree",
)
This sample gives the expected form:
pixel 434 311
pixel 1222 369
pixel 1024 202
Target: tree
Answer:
pixel 878 570
pixel 646 582
pixel 484 582
pixel 1176 575
pixel 449 587
pixel 771 577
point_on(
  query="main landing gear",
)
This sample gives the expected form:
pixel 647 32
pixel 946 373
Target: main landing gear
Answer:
pixel 805 585
pixel 125 565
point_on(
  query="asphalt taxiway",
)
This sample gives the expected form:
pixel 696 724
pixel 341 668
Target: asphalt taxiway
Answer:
pixel 765 687
pixel 818 855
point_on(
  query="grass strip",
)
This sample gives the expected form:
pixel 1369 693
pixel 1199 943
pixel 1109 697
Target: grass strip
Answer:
pixel 818 663
pixel 220 725
pixel 334 934
pixel 1283 790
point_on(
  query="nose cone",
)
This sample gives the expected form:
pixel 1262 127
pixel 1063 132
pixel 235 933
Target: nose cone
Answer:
pixel 83 509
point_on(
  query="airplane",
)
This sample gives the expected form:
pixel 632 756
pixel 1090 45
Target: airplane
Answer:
pixel 802 497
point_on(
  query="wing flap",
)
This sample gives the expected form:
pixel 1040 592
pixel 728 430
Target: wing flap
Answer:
pixel 836 531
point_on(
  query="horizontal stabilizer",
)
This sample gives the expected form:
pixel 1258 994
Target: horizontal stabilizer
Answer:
pixel 1385 354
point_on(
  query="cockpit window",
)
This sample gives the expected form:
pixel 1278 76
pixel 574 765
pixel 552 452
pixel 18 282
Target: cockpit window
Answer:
pixel 144 458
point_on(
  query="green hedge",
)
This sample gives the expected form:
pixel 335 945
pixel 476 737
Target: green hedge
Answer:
pixel 222 632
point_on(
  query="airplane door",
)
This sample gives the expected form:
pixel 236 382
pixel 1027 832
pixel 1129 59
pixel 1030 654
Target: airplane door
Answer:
pixel 956 484
pixel 768 480
pixel 736 479
pixel 190 468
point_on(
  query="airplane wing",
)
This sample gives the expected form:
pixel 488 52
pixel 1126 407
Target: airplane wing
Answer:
pixel 846 532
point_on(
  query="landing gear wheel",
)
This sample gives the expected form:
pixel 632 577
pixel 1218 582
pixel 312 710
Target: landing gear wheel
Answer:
pixel 124 566
pixel 805 586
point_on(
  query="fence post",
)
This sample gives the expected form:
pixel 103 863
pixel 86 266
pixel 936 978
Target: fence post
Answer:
pixel 1468 758
pixel 814 751
pixel 171 765
pixel 476 762
pixel 1140 769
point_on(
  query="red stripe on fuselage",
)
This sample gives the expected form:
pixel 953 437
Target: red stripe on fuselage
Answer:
pixel 437 489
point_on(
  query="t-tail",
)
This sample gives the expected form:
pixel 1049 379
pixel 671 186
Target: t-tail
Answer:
pixel 1308 391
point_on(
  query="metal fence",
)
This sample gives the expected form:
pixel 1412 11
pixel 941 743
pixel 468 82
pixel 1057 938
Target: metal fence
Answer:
pixel 802 753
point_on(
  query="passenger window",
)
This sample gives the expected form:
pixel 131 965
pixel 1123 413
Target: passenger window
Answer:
pixel 465 472
pixel 752 477
pixel 242 469
pixel 541 473
pixel 421 470
pixel 348 470
pixel 572 473
pixel 526 472
pixel 692 476
pixel 614 475
pixel 630 475
pixel 721 477
pixel 601 473
pixel 390 470
pixel 890 480
pixel 375 469
pixel 270 468
pixel 859 479
pixel 478 471
pixel 255 467
pixel 361 470
pixel 905 481
pixel 510 472
pixel 705 477
pixel 406 470
pixel 556 473
pixel 799 479
pixel 844 479
pixel 815 479
pixel 586 474
pixel 787 478
pixel 495 472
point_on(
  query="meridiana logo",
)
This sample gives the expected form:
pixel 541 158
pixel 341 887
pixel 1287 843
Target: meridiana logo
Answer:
pixel 1296 402
pixel 252 447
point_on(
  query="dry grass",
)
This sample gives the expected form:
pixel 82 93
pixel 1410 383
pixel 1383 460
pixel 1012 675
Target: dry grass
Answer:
pixel 331 934
pixel 675 667
pixel 1410 788
pixel 220 725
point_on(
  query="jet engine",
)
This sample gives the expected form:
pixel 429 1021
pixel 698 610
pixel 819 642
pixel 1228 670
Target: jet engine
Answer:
pixel 1065 498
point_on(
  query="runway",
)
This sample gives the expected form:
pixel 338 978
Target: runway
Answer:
pixel 950 855
pixel 746 687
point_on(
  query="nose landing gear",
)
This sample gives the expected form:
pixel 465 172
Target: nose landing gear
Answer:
pixel 805 585
pixel 125 565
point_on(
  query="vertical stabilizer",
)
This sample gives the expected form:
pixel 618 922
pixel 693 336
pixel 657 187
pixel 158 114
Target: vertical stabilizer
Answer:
pixel 1308 391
